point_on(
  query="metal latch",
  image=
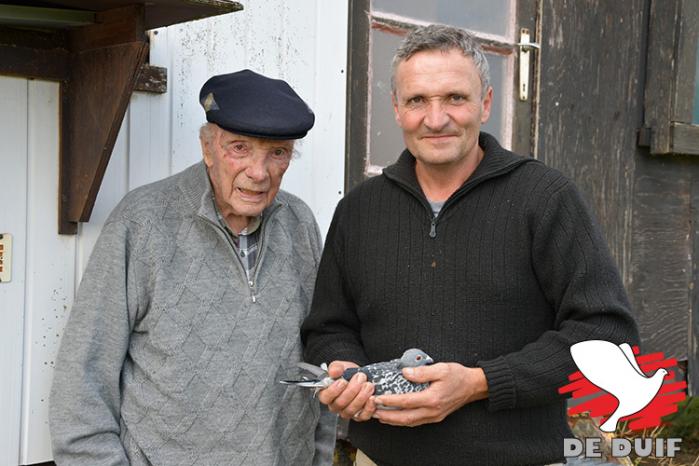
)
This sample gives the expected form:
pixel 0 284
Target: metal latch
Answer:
pixel 5 257
pixel 525 47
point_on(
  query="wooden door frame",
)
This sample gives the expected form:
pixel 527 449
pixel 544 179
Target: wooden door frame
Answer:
pixel 357 115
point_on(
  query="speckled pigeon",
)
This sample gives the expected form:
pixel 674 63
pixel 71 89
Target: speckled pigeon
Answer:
pixel 387 377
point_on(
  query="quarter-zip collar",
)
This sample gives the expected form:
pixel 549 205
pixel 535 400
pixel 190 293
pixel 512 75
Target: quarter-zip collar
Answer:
pixel 198 193
pixel 496 161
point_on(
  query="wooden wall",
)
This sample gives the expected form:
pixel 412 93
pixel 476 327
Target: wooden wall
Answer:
pixel 593 71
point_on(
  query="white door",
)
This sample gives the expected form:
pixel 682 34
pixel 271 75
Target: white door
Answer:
pixel 35 302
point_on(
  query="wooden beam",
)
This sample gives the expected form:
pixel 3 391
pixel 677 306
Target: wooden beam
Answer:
pixel 34 54
pixel 152 79
pixel 44 17
pixel 685 138
pixel 357 114
pixel 159 13
pixel 661 71
pixel 693 346
pixel 112 27
pixel 105 63
pixel 686 62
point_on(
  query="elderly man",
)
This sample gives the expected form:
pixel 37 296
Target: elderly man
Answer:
pixel 189 310
pixel 488 261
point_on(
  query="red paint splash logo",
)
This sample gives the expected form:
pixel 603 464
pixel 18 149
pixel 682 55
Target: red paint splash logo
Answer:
pixel 601 403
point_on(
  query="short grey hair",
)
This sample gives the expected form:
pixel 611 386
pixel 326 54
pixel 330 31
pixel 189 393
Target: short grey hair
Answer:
pixel 444 38
pixel 207 131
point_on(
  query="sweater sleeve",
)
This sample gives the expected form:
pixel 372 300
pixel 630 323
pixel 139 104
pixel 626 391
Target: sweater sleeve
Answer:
pixel 581 282
pixel 316 240
pixel 85 397
pixel 325 437
pixel 326 428
pixel 332 329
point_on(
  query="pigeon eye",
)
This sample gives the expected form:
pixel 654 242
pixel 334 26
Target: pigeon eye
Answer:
pixel 418 358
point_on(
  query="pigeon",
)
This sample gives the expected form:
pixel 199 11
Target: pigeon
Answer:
pixel 387 377
pixel 614 369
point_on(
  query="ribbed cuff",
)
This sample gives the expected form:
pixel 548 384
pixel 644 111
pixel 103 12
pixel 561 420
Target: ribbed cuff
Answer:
pixel 501 384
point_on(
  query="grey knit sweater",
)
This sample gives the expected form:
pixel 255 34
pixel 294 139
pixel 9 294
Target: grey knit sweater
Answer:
pixel 171 356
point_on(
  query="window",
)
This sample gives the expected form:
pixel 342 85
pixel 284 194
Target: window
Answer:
pixel 377 28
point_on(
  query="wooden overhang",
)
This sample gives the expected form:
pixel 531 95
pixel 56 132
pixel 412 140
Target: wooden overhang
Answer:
pixel 97 50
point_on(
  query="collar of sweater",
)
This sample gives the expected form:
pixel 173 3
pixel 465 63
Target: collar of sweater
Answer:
pixel 496 161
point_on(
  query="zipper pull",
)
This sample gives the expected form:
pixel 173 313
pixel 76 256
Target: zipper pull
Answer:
pixel 433 228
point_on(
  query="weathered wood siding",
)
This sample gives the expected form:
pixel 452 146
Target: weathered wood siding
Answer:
pixel 662 251
pixel 591 63
pixel 593 72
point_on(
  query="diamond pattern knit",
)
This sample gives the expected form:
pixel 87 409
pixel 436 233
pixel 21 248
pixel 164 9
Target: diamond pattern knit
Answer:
pixel 171 341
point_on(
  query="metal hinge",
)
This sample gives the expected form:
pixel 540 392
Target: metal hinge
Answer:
pixel 525 48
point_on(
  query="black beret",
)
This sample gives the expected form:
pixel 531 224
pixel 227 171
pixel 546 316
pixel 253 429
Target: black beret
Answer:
pixel 250 104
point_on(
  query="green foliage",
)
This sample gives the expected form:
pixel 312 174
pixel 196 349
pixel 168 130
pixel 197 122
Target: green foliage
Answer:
pixel 685 423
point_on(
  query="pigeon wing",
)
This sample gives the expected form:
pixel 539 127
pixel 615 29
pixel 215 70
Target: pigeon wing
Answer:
pixel 391 381
pixel 386 365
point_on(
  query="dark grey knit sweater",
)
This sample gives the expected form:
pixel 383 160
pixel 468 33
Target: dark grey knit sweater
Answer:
pixel 511 273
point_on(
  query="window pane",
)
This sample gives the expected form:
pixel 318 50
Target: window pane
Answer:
pixel 491 16
pixel 385 137
pixel 496 124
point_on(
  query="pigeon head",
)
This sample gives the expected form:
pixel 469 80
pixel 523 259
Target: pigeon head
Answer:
pixel 414 357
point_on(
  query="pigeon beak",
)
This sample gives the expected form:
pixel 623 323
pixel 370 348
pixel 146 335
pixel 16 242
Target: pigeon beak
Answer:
pixel 429 360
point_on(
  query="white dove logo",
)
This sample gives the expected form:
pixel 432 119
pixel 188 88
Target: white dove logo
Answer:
pixel 614 369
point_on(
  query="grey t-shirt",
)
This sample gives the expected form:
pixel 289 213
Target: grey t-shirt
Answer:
pixel 436 206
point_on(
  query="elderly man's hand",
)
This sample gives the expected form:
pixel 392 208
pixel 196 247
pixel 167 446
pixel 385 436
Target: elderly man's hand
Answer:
pixel 451 387
pixel 348 399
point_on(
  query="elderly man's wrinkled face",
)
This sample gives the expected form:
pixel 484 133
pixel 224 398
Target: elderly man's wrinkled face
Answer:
pixel 245 173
